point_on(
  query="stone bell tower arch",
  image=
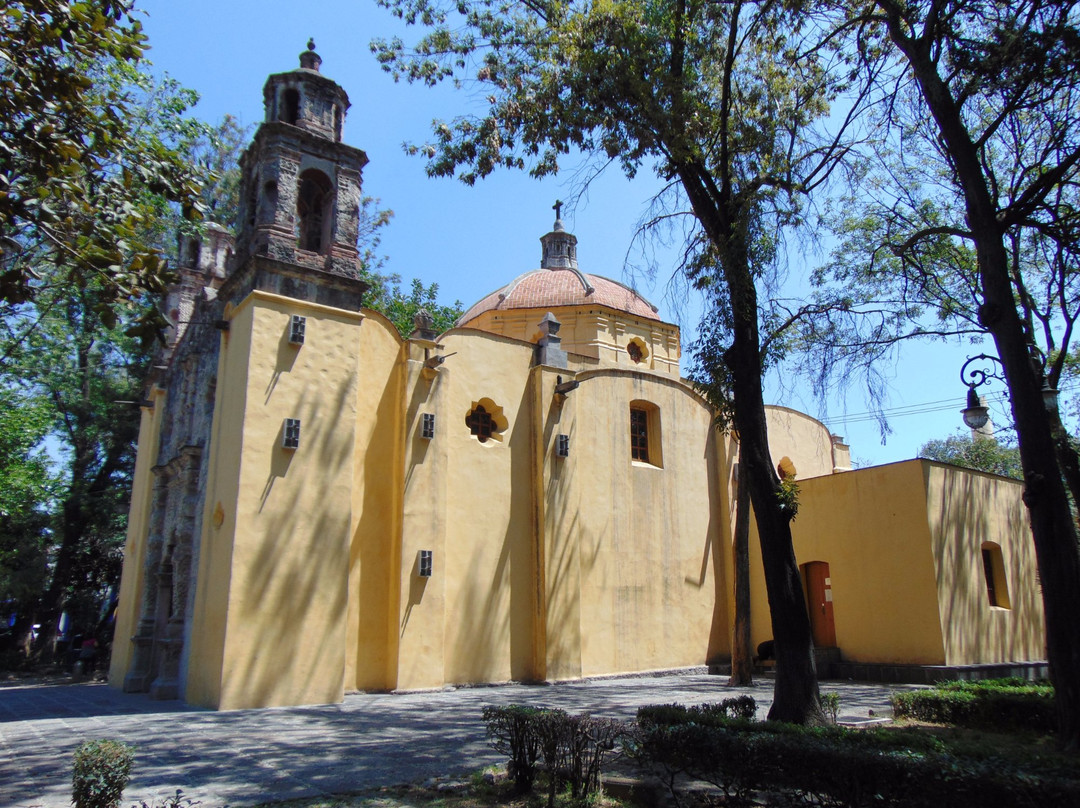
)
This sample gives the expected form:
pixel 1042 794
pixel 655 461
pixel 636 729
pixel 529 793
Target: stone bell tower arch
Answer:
pixel 301 185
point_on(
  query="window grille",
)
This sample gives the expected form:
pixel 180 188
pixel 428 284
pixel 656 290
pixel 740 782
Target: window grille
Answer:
pixel 297 329
pixel 480 423
pixel 425 563
pixel 427 429
pixel 639 435
pixel 562 446
pixel 291 436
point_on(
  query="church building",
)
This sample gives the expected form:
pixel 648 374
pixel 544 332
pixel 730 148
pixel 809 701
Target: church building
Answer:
pixel 321 506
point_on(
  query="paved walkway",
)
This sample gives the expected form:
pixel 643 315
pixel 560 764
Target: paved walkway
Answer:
pixel 368 741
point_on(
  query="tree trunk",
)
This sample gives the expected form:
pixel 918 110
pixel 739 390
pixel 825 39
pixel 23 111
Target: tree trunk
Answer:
pixel 795 695
pixel 1052 526
pixel 742 655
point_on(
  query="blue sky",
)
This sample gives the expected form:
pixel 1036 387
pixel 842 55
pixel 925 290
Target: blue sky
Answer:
pixel 473 240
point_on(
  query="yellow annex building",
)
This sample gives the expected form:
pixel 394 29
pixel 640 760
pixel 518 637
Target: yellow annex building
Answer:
pixel 320 506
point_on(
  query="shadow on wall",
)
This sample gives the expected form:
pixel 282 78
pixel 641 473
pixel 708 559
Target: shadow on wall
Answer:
pixel 975 509
pixel 492 619
pixel 377 528
pixel 287 352
pixel 715 459
pixel 286 639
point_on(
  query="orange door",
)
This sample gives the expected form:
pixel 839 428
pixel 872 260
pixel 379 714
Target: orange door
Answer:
pixel 819 602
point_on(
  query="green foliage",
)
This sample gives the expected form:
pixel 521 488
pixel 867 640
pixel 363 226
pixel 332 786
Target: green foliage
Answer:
pixel 1004 705
pixel 830 705
pixel 67 354
pixel 27 487
pixel 79 178
pixel 980 454
pixel 788 494
pixel 386 297
pixel 835 766
pixel 101 772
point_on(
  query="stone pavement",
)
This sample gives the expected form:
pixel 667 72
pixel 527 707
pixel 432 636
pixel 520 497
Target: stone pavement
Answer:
pixel 370 740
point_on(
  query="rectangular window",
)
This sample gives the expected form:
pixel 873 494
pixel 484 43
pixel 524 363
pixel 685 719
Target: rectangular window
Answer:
pixel 562 447
pixel 988 573
pixel 425 563
pixel 639 435
pixel 427 427
pixel 997 587
pixel 296 329
pixel 291 434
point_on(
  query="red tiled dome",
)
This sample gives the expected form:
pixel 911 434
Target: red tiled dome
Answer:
pixel 552 288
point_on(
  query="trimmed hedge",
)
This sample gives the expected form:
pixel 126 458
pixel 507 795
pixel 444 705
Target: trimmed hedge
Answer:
pixel 1003 704
pixel 836 766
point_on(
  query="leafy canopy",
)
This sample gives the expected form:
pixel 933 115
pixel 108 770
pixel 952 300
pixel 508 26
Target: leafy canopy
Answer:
pixel 76 168
pixel 981 454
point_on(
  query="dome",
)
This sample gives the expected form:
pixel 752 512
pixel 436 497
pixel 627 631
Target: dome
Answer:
pixel 551 288
pixel 559 282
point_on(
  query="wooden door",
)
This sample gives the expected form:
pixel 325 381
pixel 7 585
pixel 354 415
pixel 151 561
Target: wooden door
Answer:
pixel 819 602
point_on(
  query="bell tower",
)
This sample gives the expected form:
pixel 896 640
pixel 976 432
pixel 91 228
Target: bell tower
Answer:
pixel 301 185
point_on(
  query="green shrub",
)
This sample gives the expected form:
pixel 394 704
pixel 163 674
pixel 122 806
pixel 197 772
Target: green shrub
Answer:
pixel 836 766
pixel 1011 704
pixel 830 705
pixel 101 772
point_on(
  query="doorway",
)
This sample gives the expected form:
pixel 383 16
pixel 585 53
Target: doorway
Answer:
pixel 819 602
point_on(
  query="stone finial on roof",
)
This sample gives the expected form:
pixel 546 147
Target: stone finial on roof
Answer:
pixel 309 59
pixel 424 325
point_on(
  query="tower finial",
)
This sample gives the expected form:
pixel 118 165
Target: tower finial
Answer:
pixel 557 207
pixel 309 59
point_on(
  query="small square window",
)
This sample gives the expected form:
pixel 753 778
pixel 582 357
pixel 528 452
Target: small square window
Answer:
pixel 296 329
pixel 427 426
pixel 562 446
pixel 291 436
pixel 425 563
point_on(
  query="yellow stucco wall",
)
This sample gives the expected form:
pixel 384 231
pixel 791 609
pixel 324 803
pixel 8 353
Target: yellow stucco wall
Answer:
pixel 287 514
pixel 870 527
pixel 420 603
pixel 132 580
pixel 487 559
pixel 219 523
pixel 545 567
pixel 632 549
pixel 965 509
pixel 803 439
pixel 374 555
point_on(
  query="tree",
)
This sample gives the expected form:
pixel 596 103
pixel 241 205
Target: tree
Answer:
pixel 726 100
pixel 27 487
pixel 92 376
pixel 66 341
pixel 386 296
pixel 984 96
pixel 73 171
pixel 981 454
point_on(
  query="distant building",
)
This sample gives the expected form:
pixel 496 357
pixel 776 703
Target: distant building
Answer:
pixel 320 506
